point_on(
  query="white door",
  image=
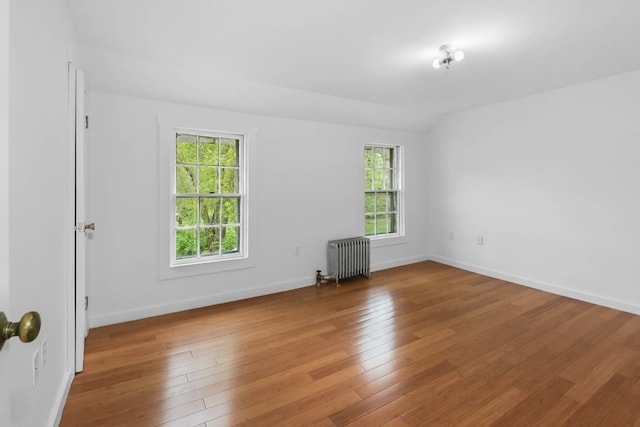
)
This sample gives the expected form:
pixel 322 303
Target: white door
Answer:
pixel 82 228
pixel 4 258
pixel 4 281
pixel 4 190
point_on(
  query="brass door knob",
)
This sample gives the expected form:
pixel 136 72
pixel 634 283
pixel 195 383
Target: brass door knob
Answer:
pixel 27 329
pixel 91 226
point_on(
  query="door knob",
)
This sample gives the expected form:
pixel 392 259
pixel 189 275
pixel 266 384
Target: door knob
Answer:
pixel 27 329
pixel 91 226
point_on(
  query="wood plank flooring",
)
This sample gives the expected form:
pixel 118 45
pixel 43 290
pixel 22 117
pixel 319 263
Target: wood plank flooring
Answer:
pixel 419 345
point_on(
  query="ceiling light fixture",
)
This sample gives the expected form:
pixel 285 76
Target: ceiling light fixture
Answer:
pixel 448 54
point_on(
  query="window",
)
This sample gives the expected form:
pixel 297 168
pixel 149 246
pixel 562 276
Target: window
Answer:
pixel 208 198
pixel 381 190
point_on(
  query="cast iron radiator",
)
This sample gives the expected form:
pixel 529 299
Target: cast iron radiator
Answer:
pixel 348 258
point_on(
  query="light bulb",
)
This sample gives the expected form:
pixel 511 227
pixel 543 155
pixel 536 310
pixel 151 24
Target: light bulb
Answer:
pixel 459 55
pixel 436 63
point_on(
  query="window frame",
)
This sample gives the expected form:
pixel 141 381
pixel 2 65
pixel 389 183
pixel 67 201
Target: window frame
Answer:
pixel 242 194
pixel 398 179
pixel 167 120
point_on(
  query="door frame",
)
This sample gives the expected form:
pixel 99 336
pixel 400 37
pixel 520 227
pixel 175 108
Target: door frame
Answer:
pixel 81 330
pixel 71 216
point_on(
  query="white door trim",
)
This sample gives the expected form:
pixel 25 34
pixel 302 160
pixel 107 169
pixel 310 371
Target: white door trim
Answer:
pixel 71 217
pixel 80 218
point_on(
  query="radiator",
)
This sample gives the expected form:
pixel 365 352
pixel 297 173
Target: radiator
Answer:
pixel 348 258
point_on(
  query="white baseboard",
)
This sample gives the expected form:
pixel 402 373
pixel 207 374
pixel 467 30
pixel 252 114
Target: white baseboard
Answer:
pixel 158 310
pixel 547 287
pixel 173 307
pixel 61 400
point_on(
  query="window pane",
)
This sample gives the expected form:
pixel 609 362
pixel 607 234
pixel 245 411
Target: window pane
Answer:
pixel 203 139
pixel 208 151
pixel 210 210
pixel 185 179
pixel 369 202
pixel 229 152
pixel 369 225
pixel 387 157
pixel 368 157
pixel 391 202
pixel 185 243
pixel 386 179
pixel 206 169
pixel 208 179
pixel 381 224
pixel 230 239
pixel 391 223
pixel 379 156
pixel 186 137
pixel 209 241
pixel 186 211
pixel 368 179
pixel 231 210
pixel 228 180
pixel 378 180
pixel 186 149
pixel 381 202
pixel 381 193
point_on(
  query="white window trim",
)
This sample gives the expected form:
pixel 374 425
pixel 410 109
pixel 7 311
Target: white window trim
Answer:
pixel 168 268
pixel 391 239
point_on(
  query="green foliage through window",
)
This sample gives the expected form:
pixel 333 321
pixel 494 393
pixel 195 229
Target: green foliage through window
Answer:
pixel 381 190
pixel 208 196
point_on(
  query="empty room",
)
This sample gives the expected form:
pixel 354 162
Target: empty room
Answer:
pixel 319 213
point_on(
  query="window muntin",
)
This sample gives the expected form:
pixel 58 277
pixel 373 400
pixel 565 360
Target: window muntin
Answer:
pixel 381 184
pixel 209 199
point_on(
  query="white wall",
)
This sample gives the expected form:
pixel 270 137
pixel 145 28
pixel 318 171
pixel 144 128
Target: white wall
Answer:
pixel 40 37
pixel 552 182
pixel 307 184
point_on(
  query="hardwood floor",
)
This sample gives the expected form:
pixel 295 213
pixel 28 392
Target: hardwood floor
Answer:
pixel 419 345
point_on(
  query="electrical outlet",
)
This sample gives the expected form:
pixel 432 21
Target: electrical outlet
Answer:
pixel 43 352
pixel 36 368
pixel 480 240
pixel 297 251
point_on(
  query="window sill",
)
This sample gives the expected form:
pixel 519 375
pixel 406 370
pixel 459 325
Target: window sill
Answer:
pixel 176 271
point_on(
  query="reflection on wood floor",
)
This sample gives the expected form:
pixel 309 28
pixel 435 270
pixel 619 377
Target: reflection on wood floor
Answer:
pixel 424 344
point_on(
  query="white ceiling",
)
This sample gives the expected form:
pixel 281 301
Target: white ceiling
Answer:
pixel 351 61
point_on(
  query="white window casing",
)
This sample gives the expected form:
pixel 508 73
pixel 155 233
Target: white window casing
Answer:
pixel 383 205
pixel 170 265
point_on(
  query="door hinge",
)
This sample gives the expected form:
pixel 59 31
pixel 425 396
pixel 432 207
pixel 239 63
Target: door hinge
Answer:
pixel 86 303
pixel 86 122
